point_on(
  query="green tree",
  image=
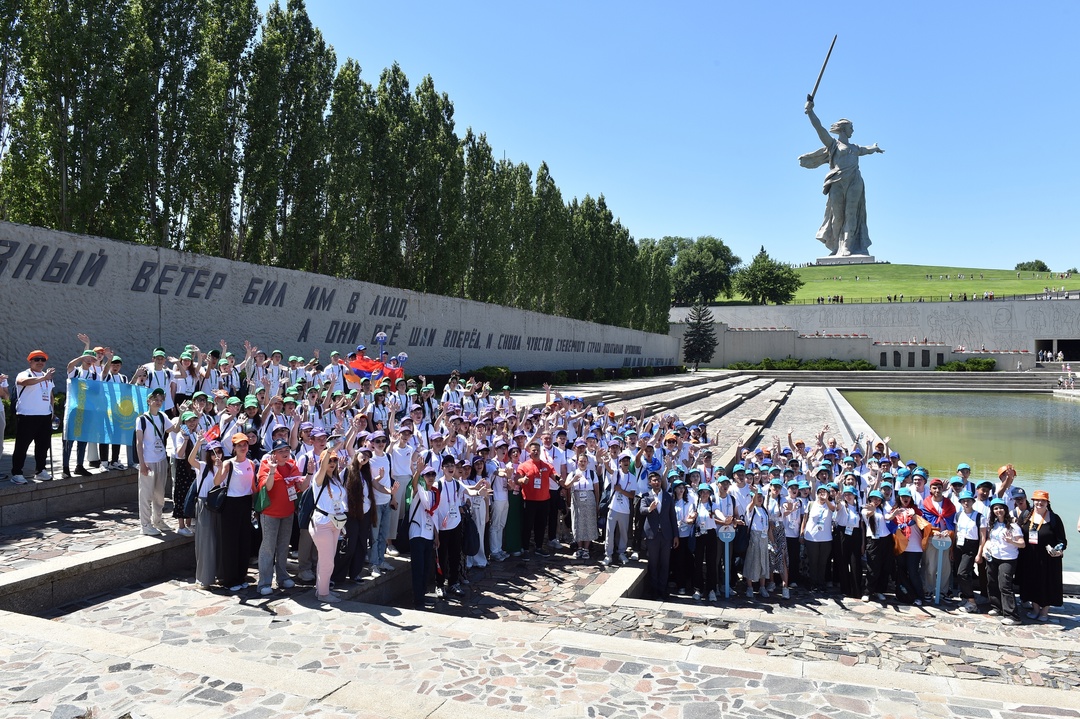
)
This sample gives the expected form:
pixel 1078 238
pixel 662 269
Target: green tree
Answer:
pixel 348 235
pixel 703 269
pixel 699 340
pixel 766 280
pixel 11 29
pixel 219 94
pixel 285 168
pixel 1033 266
pixel 65 166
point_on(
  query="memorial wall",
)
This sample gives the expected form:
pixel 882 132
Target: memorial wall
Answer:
pixel 133 298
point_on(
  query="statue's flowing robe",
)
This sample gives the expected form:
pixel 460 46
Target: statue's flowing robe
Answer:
pixel 844 229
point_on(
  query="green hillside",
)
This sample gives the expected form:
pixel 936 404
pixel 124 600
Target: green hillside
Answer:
pixel 876 282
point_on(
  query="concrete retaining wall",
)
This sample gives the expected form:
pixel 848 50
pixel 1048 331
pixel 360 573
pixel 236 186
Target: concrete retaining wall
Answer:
pixel 133 298
pixel 996 325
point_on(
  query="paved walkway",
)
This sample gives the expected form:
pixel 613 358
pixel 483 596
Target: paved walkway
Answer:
pixel 171 650
pixel 27 545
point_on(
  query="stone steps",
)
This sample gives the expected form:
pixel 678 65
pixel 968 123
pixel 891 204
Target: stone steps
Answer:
pixel 916 381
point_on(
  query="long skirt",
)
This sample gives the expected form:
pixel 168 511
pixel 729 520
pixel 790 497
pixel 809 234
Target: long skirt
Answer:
pixel 778 554
pixel 756 564
pixel 185 475
pixel 207 536
pixel 584 516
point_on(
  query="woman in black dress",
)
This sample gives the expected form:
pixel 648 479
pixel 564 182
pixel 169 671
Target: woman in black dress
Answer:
pixel 1040 560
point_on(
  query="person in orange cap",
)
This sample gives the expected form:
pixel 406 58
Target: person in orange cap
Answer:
pixel 1039 566
pixel 34 408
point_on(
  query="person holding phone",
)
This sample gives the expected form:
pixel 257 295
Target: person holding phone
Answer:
pixel 34 410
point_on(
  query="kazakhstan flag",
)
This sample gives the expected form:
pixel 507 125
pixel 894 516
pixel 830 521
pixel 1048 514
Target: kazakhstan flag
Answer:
pixel 103 412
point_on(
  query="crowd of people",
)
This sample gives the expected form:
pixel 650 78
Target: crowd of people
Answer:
pixel 275 458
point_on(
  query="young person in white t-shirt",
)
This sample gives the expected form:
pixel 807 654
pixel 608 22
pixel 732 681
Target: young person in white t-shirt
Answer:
pixel 151 431
pixel 34 410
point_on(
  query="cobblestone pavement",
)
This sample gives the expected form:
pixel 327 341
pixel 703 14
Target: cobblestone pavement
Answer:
pixel 25 545
pixel 597 670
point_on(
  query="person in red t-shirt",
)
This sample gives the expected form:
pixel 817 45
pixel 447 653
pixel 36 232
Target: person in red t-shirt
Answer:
pixel 533 475
pixel 280 475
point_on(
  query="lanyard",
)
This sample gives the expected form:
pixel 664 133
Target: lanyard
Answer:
pixel 159 432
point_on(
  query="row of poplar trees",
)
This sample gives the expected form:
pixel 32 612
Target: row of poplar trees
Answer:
pixel 201 126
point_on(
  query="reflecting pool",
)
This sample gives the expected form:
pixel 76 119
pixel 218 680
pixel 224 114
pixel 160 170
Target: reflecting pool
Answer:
pixel 1038 434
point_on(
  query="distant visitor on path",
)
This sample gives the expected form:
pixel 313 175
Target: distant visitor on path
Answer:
pixel 844 228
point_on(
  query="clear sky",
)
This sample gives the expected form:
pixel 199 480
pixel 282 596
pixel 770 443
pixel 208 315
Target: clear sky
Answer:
pixel 688 117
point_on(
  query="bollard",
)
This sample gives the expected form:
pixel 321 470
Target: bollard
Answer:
pixel 726 534
pixel 942 544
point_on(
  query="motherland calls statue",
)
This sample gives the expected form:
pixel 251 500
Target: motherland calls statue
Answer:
pixel 844 229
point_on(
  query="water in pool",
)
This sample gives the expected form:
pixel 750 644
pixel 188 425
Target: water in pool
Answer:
pixel 1038 434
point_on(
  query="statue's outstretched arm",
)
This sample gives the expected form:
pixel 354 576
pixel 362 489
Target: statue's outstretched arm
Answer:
pixel 822 134
pixel 870 150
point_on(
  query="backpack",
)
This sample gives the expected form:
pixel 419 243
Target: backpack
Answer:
pixel 193 492
pixel 470 534
pixel 305 508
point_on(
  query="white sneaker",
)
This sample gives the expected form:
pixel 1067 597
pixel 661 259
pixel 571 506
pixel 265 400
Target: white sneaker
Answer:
pixel 43 475
pixel 163 526
pixel 287 584
pixel 785 594
pixel 606 561
pixel 307 576
pixel 386 566
pixel 623 559
pixel 866 597
pixel 555 544
pixel 391 551
pixel 185 532
pixel 151 531
pixel 439 593
pixel 633 557
pixel 18 479
pixel 712 596
pixel 749 592
pixel 266 591
pixel 697 596
pixel 119 466
pixel 764 593
pixel 456 589
pixel 376 572
pixel 771 586
pixel 329 599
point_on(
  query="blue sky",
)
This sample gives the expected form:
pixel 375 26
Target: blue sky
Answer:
pixel 688 117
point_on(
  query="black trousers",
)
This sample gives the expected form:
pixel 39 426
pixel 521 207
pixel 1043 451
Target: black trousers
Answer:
pixel 705 553
pixel 553 514
pixel 794 562
pixel 849 561
pixel 659 550
pixel 879 552
pixel 36 428
pixel 234 545
pixel 999 581
pixel 535 522
pixel 351 563
pixel 817 559
pixel 449 569
pixel 682 564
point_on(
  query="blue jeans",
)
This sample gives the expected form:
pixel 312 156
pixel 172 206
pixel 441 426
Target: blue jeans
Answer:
pixel 378 547
pixel 420 558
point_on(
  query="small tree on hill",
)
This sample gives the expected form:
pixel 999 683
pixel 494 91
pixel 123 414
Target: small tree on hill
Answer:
pixel 766 280
pixel 699 341
pixel 1033 266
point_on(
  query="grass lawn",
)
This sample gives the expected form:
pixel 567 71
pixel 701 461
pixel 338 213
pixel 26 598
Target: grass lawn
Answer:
pixel 877 281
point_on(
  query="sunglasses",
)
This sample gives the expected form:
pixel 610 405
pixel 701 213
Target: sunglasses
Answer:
pixel 38 359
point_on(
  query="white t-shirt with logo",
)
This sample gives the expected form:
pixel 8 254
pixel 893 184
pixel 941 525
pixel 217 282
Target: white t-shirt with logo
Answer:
pixel 155 428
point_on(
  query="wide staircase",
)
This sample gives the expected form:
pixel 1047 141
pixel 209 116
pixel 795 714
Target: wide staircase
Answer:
pixel 1033 382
